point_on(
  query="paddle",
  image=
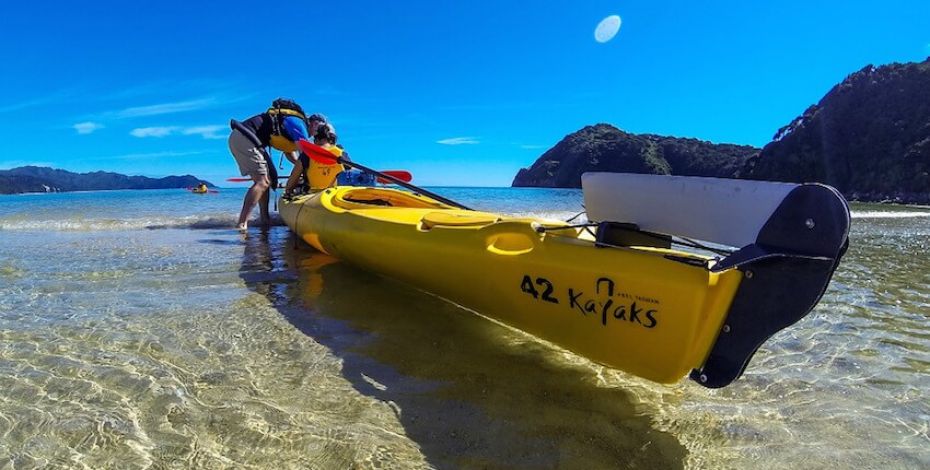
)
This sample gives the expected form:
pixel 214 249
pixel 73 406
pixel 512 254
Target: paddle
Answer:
pixel 402 175
pixel 325 157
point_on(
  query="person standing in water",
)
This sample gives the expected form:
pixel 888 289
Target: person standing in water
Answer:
pixel 280 127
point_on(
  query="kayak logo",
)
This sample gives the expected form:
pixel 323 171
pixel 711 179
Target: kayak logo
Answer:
pixel 607 303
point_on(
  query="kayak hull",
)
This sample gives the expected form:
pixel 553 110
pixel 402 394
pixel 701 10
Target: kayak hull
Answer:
pixel 653 312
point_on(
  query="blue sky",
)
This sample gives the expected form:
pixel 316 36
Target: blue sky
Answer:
pixel 459 93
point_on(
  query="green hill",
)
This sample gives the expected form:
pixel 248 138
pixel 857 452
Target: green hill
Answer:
pixel 34 179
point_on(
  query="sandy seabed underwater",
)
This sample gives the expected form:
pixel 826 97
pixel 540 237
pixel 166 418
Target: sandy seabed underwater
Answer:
pixel 137 330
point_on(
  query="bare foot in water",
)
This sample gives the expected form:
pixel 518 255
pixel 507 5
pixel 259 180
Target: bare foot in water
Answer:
pixel 242 227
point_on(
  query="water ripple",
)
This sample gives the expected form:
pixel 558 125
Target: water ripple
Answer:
pixel 195 346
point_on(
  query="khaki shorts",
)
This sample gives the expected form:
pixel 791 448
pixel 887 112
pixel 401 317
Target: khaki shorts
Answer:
pixel 251 159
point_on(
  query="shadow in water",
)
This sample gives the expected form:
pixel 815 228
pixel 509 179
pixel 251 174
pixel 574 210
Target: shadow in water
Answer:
pixel 471 393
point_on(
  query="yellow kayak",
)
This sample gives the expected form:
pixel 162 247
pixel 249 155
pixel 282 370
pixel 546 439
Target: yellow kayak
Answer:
pixel 644 308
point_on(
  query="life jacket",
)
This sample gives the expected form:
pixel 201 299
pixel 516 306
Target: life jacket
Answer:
pixel 268 127
pixel 279 110
pixel 318 176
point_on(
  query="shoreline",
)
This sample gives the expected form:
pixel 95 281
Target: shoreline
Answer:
pixel 922 202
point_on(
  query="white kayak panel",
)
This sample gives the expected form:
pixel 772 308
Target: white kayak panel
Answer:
pixel 725 211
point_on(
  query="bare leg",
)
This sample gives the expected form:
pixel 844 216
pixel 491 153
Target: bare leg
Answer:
pixel 263 207
pixel 252 196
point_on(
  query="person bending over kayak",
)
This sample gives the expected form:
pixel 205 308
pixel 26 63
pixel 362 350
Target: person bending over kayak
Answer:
pixel 281 126
pixel 316 176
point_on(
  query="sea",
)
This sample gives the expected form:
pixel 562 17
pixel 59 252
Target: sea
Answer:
pixel 138 329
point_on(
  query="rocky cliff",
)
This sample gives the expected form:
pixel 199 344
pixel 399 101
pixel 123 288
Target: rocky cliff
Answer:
pixel 603 147
pixel 32 179
pixel 869 137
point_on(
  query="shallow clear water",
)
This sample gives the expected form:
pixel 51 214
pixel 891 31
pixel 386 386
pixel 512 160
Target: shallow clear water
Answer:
pixel 137 329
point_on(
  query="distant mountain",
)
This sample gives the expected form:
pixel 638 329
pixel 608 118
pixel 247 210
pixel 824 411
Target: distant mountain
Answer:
pixel 34 179
pixel 869 137
pixel 603 147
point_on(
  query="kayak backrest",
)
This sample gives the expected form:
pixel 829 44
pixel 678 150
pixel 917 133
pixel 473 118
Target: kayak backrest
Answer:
pixel 724 211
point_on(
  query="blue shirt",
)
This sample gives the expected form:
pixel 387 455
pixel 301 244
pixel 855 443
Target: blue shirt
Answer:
pixel 295 128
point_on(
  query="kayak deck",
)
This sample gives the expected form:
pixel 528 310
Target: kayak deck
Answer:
pixel 608 290
pixel 639 310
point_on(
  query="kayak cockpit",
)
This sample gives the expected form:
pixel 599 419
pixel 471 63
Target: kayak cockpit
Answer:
pixel 366 198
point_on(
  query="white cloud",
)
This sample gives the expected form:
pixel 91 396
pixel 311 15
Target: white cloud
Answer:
pixel 207 132
pixel 155 87
pixel 152 131
pixel 149 156
pixel 459 141
pixel 165 108
pixel 23 105
pixel 48 99
pixel 87 127
pixel 152 155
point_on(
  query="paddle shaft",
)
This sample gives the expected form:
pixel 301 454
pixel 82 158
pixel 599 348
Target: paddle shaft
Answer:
pixel 403 175
pixel 402 183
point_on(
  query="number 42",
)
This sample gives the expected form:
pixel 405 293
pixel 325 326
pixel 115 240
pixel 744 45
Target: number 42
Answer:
pixel 530 288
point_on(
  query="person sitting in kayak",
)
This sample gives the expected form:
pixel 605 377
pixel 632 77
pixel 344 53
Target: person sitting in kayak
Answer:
pixel 310 174
pixel 202 188
pixel 281 126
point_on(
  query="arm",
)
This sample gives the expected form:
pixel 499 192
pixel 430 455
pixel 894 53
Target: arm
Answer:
pixel 292 157
pixel 296 130
pixel 294 178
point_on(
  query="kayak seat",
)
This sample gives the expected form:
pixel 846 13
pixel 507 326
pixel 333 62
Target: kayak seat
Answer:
pixel 456 219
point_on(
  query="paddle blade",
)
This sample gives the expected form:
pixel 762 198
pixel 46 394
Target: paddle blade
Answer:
pixel 402 175
pixel 317 153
